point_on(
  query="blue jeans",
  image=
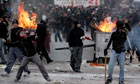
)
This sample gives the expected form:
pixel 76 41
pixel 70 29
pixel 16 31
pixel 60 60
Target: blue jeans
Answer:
pixel 112 62
pixel 14 53
pixel 57 34
pixel 1 51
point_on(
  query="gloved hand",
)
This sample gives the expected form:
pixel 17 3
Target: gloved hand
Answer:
pixel 105 52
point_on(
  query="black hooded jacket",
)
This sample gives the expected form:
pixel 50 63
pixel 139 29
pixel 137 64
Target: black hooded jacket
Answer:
pixel 27 46
pixel 3 29
pixel 118 39
pixel 75 37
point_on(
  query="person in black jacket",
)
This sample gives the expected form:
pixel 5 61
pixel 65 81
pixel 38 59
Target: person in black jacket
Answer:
pixel 118 39
pixel 14 51
pixel 41 34
pixel 76 46
pixel 3 35
pixel 30 54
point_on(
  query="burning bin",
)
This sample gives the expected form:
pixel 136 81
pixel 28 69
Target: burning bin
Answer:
pixel 101 41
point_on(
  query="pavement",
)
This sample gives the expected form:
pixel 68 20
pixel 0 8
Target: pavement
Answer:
pixel 61 73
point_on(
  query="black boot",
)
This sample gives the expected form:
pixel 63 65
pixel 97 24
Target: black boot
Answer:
pixel 108 81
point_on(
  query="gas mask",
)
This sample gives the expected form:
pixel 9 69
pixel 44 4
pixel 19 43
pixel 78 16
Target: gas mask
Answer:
pixel 78 25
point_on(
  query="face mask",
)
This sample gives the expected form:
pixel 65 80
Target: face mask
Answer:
pixel 78 25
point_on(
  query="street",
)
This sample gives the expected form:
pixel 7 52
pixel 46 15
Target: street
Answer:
pixel 61 73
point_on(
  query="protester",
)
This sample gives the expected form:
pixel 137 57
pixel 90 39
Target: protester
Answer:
pixel 30 54
pixel 58 28
pixel 76 46
pixel 118 39
pixel 14 51
pixel 41 35
pixel 3 35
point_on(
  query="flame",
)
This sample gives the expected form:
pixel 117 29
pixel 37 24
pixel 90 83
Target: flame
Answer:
pixel 106 26
pixel 24 18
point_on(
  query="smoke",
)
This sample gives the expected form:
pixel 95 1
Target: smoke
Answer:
pixel 14 4
pixel 37 6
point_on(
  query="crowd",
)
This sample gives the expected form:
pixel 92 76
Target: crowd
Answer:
pixel 61 18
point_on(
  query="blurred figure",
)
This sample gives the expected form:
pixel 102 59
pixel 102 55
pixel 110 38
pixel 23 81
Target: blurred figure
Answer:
pixel 67 27
pixel 93 25
pixel 14 51
pixel 58 30
pixel 41 36
pixel 3 35
pixel 127 26
pixel 2 10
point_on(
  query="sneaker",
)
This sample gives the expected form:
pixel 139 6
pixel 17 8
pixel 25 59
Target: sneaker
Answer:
pixel 48 79
pixel 49 61
pixel 16 80
pixel 108 81
pixel 5 74
pixel 121 82
pixel 26 74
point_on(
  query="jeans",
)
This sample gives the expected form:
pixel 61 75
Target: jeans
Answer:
pixel 14 53
pixel 1 51
pixel 5 48
pixel 57 34
pixel 112 62
pixel 35 58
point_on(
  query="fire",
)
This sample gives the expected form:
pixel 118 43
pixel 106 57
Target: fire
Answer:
pixel 25 19
pixel 106 26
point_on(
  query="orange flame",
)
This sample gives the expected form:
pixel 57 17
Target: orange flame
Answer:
pixel 106 26
pixel 24 18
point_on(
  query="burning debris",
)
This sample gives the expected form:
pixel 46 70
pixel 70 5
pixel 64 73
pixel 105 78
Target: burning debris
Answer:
pixel 25 19
pixel 105 26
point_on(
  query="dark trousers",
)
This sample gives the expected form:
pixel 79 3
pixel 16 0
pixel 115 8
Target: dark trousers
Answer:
pixel 76 58
pixel 44 53
pixel 1 52
pixel 41 48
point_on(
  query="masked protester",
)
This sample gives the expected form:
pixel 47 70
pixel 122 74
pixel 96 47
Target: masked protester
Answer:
pixel 30 54
pixel 41 34
pixel 118 39
pixel 76 46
